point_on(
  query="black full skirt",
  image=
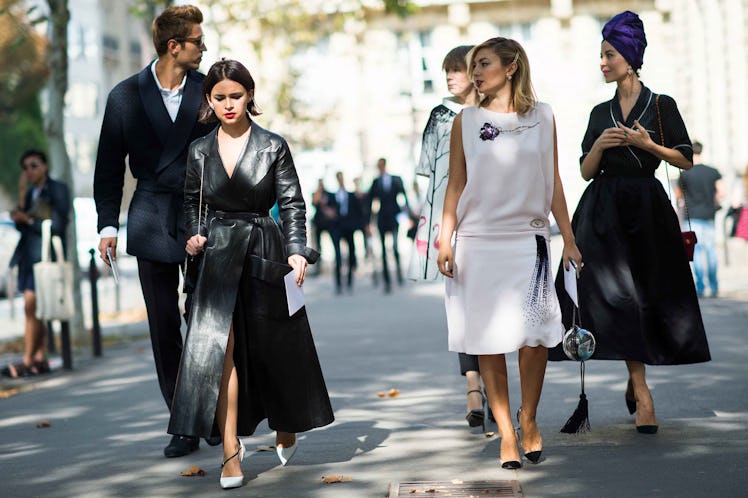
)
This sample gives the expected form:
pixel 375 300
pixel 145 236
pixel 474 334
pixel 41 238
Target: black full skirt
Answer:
pixel 636 293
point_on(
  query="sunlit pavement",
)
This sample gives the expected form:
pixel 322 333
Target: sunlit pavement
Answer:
pixel 107 419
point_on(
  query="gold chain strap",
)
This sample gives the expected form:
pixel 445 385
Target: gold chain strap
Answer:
pixel 667 171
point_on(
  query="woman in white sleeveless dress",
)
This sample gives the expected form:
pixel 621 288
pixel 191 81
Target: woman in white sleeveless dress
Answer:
pixel 503 183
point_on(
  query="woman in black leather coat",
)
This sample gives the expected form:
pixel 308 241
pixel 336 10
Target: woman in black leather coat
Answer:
pixel 245 359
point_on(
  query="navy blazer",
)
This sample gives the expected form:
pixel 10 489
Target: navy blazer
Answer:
pixel 53 203
pixel 389 208
pixel 137 126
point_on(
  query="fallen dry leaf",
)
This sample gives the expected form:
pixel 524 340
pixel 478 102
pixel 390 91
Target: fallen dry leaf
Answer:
pixel 430 490
pixel 490 434
pixel 7 393
pixel 194 470
pixel 333 478
pixel 393 393
pixel 42 425
pixel 381 394
pixel 266 448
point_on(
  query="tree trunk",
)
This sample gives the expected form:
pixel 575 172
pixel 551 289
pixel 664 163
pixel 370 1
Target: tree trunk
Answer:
pixel 59 163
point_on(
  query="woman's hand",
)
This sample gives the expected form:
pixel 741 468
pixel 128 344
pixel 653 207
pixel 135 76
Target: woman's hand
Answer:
pixel 446 260
pixel 571 253
pixel 638 136
pixel 195 245
pixel 298 263
pixel 611 137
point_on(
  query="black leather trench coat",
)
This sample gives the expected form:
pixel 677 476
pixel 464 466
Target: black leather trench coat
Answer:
pixel 240 283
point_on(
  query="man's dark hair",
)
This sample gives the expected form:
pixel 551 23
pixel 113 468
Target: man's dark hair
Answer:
pixel 33 153
pixel 174 23
pixel 697 147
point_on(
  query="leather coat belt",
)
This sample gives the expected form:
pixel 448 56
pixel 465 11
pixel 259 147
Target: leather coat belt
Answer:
pixel 238 215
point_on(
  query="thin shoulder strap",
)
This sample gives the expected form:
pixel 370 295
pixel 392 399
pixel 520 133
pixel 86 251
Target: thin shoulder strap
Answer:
pixel 667 170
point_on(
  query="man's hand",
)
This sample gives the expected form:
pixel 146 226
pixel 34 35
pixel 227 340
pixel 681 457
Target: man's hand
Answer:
pixel 108 242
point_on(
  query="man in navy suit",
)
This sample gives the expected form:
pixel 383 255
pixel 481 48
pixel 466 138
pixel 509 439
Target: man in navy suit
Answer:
pixel 345 223
pixel 150 119
pixel 386 188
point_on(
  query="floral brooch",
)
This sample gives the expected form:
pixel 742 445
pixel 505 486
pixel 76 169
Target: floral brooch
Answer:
pixel 489 132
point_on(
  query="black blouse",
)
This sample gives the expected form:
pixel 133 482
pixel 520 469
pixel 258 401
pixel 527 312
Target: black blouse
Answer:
pixel 632 161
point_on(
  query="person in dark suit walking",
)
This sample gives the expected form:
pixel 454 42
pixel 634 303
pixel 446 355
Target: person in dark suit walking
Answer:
pixel 44 199
pixel 150 119
pixel 386 188
pixel 346 222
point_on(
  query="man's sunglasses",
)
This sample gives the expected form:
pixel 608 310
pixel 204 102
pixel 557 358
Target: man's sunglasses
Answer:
pixel 199 42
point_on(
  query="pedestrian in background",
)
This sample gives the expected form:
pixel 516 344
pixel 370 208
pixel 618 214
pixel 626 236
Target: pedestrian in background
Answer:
pixel 503 182
pixel 347 218
pixel 636 295
pixel 321 220
pixel 700 192
pixel 434 164
pixel 387 189
pixel 150 119
pixel 245 359
pixel 43 199
pixel 364 226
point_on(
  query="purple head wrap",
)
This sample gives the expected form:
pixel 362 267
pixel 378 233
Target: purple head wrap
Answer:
pixel 625 32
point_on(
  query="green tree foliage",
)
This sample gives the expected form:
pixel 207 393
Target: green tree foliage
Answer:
pixel 23 73
pixel 23 130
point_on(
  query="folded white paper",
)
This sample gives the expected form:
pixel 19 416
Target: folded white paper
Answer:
pixel 294 293
pixel 570 283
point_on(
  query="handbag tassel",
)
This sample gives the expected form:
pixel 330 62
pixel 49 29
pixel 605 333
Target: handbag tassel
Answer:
pixel 580 419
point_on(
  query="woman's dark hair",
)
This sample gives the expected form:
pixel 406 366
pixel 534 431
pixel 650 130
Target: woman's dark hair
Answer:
pixel 226 69
pixel 456 59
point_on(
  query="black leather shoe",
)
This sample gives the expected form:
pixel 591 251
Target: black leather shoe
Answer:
pixel 181 446
pixel 213 441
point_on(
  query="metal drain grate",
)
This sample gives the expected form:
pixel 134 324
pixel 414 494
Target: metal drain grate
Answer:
pixel 443 489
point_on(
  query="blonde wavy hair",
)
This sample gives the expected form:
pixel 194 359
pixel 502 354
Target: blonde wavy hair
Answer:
pixel 510 51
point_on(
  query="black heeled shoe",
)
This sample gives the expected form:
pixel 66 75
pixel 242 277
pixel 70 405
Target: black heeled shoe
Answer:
pixel 476 417
pixel 647 429
pixel 511 464
pixel 630 399
pixel 533 456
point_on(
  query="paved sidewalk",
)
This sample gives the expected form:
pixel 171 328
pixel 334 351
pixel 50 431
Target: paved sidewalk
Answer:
pixel 107 417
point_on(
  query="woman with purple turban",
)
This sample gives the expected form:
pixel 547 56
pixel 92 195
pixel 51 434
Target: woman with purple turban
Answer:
pixel 636 293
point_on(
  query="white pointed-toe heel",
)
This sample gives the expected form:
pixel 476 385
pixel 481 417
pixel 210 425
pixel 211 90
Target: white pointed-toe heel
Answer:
pixel 233 482
pixel 285 454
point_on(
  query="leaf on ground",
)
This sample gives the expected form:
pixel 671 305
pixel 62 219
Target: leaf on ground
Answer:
pixel 7 393
pixel 381 394
pixel 42 425
pixel 490 434
pixel 265 448
pixel 428 491
pixel 194 470
pixel 393 393
pixel 333 478
pixel 456 481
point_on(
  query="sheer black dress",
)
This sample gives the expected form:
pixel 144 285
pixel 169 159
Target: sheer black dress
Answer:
pixel 636 293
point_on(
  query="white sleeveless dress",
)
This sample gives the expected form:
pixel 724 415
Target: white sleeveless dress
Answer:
pixel 502 295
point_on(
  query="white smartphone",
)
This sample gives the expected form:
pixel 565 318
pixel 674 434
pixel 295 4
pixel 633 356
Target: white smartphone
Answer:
pixel 113 264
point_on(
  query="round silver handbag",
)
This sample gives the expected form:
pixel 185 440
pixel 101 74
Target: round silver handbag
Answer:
pixel 578 343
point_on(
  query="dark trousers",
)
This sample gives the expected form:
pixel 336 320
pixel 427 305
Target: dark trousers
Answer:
pixel 160 284
pixel 468 363
pixel 385 268
pixel 345 234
